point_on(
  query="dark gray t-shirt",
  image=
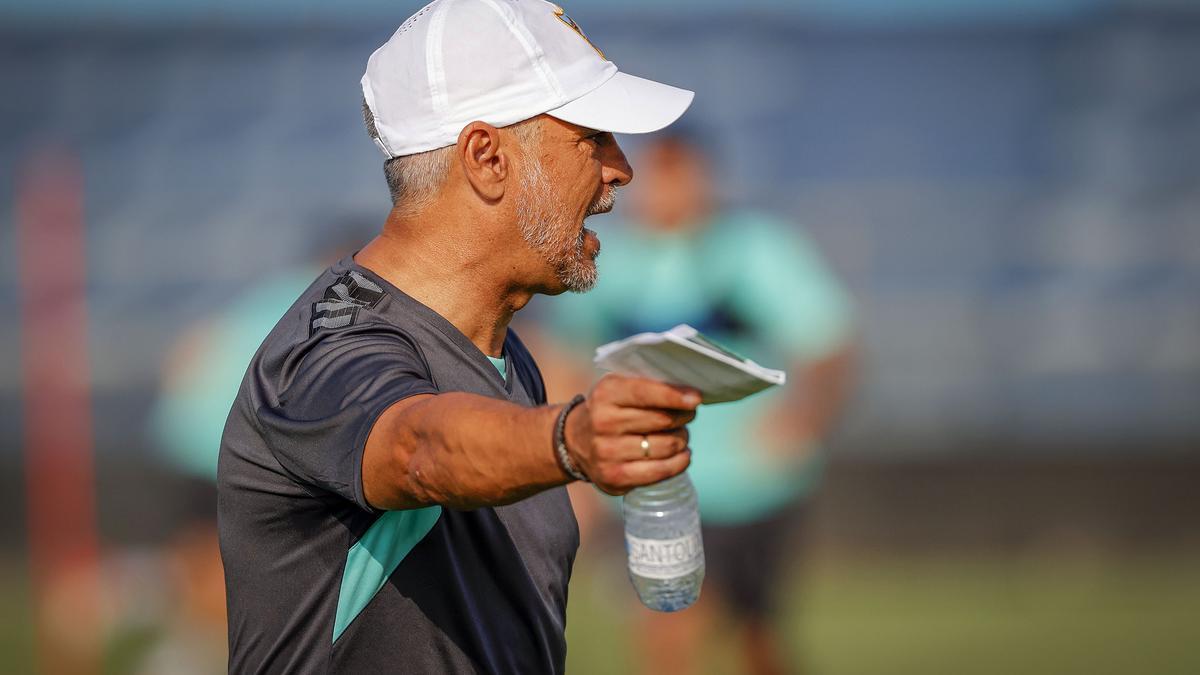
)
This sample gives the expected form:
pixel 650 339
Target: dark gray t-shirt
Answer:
pixel 317 580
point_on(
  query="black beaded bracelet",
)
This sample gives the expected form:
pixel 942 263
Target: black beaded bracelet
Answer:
pixel 560 441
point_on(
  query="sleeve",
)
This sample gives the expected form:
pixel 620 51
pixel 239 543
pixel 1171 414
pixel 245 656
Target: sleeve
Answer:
pixel 789 294
pixel 336 388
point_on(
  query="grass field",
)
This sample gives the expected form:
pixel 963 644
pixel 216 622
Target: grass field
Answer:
pixel 1033 616
pixel 933 616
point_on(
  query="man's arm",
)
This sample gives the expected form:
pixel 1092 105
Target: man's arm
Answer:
pixel 812 405
pixel 466 451
pixel 823 388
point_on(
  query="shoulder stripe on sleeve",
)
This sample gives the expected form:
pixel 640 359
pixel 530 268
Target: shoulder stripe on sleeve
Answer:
pixel 342 300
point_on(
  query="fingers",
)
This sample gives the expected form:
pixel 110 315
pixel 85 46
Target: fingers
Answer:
pixel 641 392
pixel 637 432
pixel 653 446
pixel 623 477
pixel 616 420
pixel 625 462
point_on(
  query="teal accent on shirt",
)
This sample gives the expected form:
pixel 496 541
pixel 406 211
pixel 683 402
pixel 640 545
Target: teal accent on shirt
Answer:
pixel 500 366
pixel 375 556
pixel 794 311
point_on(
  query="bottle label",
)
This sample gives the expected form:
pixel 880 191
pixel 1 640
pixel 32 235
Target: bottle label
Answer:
pixel 664 558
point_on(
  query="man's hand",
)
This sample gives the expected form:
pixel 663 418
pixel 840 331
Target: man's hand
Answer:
pixel 605 434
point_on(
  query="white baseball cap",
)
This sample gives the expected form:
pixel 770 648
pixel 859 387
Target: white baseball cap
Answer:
pixel 500 62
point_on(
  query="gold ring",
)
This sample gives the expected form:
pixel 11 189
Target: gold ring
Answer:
pixel 646 447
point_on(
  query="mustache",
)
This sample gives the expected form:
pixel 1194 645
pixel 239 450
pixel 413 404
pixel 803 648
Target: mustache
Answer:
pixel 605 202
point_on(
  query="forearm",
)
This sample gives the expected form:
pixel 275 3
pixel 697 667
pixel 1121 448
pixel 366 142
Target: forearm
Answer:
pixel 459 450
pixel 466 451
pixel 824 388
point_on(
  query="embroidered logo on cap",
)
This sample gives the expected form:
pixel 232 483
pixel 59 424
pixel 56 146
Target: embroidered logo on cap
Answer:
pixel 561 15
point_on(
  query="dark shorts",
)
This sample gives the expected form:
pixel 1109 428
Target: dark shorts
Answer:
pixel 746 564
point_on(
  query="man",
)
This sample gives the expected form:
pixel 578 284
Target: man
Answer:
pixel 758 286
pixel 390 480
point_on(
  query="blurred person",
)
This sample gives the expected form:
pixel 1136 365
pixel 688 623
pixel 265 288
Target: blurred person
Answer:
pixel 191 638
pixel 200 381
pixel 204 367
pixel 391 481
pixel 201 376
pixel 758 286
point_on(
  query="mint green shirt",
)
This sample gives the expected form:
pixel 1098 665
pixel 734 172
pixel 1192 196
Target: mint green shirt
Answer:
pixel 750 282
pixel 500 366
pixel 188 418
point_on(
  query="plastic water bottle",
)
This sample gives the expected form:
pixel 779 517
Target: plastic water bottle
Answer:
pixel 662 540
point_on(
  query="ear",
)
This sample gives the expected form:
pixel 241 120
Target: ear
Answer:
pixel 485 164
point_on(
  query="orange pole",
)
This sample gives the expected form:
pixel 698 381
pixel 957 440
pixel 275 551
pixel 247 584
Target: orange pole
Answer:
pixel 59 472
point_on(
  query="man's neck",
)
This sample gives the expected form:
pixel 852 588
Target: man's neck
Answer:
pixel 461 282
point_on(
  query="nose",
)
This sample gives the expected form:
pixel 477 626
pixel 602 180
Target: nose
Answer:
pixel 614 167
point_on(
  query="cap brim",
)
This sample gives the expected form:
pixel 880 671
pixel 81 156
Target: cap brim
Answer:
pixel 626 105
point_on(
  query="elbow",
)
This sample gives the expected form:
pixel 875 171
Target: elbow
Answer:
pixel 394 473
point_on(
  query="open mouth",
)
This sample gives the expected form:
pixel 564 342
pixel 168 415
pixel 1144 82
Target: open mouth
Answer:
pixel 589 242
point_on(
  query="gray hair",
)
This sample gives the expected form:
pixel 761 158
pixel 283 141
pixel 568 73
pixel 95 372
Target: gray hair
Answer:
pixel 414 180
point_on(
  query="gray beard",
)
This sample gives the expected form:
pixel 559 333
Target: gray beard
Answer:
pixel 542 217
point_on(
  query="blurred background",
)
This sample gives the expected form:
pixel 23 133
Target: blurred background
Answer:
pixel 1007 190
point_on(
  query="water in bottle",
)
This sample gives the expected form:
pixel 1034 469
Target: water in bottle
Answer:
pixel 662 540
